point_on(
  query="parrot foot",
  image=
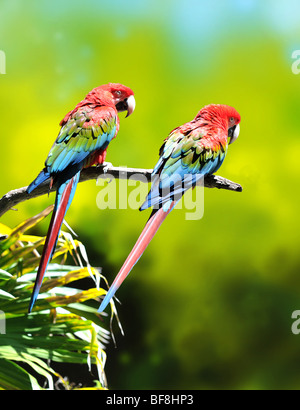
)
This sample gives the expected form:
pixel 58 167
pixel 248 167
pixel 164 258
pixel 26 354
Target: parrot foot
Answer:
pixel 106 167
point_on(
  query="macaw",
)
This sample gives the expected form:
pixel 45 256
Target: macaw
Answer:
pixel 190 152
pixel 82 142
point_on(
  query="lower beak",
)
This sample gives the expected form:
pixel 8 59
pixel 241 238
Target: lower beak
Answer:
pixel 130 105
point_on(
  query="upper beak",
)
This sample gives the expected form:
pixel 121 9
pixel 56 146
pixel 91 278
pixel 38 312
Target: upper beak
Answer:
pixel 130 105
pixel 233 133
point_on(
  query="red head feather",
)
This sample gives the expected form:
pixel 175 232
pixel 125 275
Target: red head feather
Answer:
pixel 113 95
pixel 223 115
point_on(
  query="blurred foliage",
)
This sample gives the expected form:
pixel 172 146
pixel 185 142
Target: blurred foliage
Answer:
pixel 73 332
pixel 214 296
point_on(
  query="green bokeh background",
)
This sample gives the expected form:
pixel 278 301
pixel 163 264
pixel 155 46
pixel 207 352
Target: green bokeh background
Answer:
pixel 209 305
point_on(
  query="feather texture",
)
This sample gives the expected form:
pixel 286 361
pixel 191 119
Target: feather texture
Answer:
pixel 151 227
pixel 64 197
pixel 191 151
pixel 82 141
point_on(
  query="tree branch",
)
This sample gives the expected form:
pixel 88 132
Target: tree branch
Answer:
pixel 16 196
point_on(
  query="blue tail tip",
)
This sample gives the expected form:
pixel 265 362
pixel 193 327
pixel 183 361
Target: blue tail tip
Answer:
pixel 103 305
pixel 30 307
pixel 107 298
pixel 32 302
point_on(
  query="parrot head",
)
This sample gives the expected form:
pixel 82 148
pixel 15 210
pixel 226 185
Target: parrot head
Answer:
pixel 114 94
pixel 234 119
pixel 123 98
pixel 220 114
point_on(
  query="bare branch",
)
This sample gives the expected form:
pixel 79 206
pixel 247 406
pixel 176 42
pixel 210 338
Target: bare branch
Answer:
pixel 16 196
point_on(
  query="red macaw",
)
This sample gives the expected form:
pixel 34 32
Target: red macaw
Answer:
pixel 82 141
pixel 191 151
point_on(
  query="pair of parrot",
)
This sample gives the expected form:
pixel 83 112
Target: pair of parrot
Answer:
pixel 191 151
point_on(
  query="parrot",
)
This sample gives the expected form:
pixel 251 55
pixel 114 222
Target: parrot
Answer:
pixel 190 152
pixel 85 134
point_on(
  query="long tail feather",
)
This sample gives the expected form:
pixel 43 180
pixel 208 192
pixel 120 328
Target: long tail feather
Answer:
pixel 64 197
pixel 156 219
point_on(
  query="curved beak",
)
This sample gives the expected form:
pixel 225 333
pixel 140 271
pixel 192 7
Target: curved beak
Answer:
pixel 130 105
pixel 233 133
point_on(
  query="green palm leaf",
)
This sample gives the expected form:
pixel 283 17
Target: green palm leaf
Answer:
pixel 64 326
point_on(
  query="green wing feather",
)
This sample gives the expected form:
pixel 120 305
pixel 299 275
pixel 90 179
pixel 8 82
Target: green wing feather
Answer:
pixel 80 136
pixel 190 152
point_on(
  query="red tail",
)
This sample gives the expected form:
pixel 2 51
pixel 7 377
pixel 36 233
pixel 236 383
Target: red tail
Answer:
pixel 146 236
pixel 60 209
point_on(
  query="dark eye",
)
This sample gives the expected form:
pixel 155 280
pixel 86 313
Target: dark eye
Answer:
pixel 118 92
pixel 231 119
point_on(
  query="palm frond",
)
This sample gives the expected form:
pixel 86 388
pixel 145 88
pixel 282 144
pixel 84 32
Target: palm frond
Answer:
pixel 64 327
